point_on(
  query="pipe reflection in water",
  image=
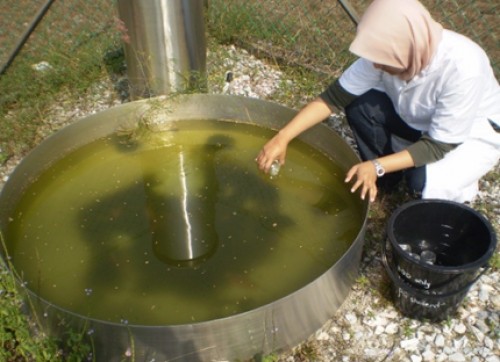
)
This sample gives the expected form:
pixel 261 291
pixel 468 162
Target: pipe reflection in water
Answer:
pixel 188 235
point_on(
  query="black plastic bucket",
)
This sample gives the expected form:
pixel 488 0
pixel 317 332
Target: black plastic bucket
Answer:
pixel 460 239
pixel 423 304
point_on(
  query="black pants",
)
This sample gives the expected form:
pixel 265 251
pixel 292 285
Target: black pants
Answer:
pixel 380 131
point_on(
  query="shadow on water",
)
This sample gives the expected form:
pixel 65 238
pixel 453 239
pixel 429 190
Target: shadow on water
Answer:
pixel 193 230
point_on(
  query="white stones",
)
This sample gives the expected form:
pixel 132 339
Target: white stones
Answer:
pixel 323 336
pixel 460 328
pixel 442 357
pixel 439 341
pixel 428 356
pixel 409 344
pixel 457 357
pixel 376 321
pixel 488 342
pixel 493 358
pixel 495 301
pixel 416 358
pixel 482 326
pixel 460 343
pixel 250 76
pixel 484 293
pixel 371 352
pixel 392 328
pixel 351 318
pixel 42 66
pixel 379 330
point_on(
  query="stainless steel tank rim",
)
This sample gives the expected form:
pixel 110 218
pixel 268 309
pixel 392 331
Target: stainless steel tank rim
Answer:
pixel 275 326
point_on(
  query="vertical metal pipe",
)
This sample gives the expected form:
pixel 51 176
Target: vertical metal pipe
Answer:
pixel 165 46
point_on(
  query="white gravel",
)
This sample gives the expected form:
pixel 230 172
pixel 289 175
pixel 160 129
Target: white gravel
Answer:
pixel 367 327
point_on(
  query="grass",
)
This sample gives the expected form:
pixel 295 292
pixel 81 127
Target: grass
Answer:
pixel 82 57
pixel 31 93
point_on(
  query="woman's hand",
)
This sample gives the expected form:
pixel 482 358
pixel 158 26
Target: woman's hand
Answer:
pixel 274 149
pixel 366 178
pixel 312 114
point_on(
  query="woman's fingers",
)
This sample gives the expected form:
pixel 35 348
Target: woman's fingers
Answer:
pixel 272 150
pixel 373 193
pixel 264 161
pixel 364 179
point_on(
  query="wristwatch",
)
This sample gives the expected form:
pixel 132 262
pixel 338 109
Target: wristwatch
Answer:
pixel 379 169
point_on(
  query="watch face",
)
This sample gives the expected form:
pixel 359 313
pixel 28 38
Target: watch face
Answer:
pixel 378 168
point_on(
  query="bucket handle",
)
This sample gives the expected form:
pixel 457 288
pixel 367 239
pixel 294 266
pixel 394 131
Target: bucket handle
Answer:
pixel 407 288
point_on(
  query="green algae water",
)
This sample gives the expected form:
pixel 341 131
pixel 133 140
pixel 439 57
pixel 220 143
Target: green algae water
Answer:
pixel 100 232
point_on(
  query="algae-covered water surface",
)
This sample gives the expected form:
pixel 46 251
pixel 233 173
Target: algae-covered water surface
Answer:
pixel 97 233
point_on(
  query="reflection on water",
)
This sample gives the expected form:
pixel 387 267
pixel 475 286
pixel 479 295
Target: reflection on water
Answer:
pixel 182 232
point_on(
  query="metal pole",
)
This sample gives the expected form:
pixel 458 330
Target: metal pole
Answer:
pixel 165 46
pixel 38 17
pixel 346 4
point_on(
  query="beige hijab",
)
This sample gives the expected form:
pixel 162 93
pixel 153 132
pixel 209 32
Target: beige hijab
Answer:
pixel 397 33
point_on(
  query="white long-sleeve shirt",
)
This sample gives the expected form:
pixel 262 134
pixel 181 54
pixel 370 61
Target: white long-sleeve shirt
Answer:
pixel 456 90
